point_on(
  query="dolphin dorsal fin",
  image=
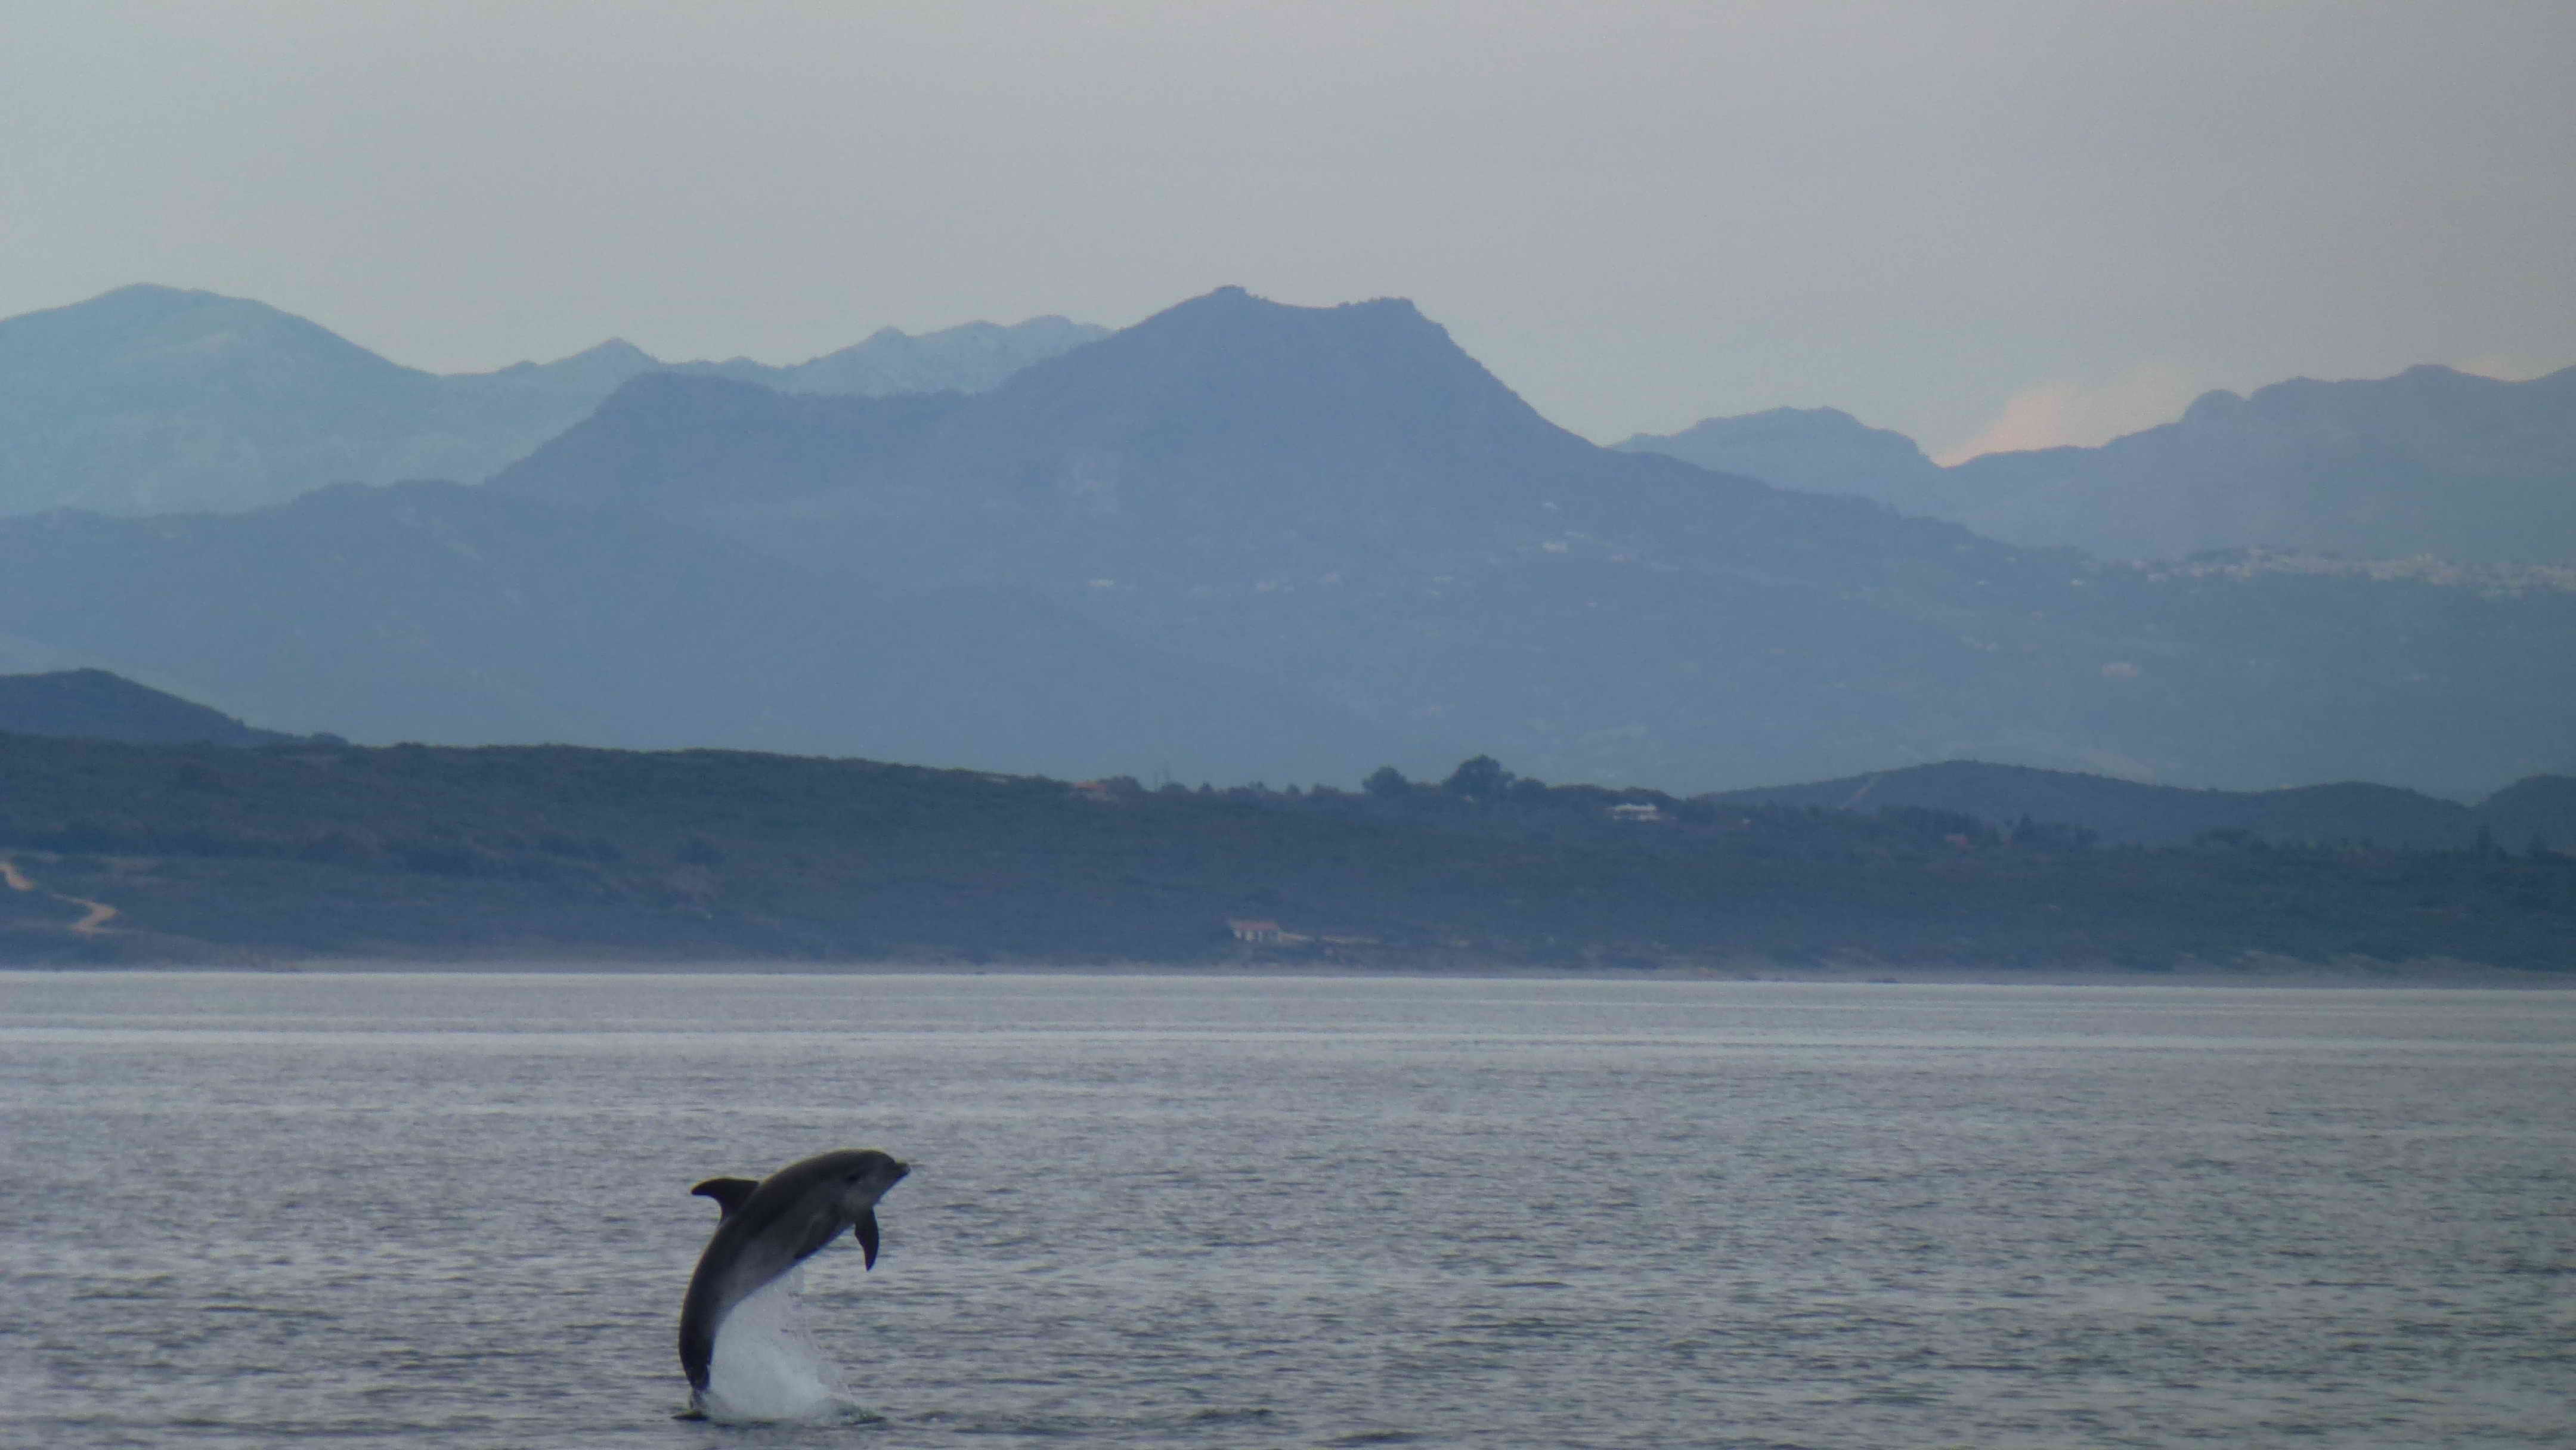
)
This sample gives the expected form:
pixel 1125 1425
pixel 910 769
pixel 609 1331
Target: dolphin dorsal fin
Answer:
pixel 727 1192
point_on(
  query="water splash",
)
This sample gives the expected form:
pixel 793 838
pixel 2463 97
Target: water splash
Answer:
pixel 767 1367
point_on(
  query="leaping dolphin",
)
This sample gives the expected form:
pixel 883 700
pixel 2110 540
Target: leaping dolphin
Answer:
pixel 768 1228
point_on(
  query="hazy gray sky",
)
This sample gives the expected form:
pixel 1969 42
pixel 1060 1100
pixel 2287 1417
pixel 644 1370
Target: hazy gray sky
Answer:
pixel 2021 222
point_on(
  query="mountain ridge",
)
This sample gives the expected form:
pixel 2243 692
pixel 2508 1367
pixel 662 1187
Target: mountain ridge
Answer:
pixel 2430 461
pixel 2123 812
pixel 1342 501
pixel 152 399
pixel 1819 450
pixel 1249 517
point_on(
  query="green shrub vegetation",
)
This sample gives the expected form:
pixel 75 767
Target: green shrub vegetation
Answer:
pixel 319 850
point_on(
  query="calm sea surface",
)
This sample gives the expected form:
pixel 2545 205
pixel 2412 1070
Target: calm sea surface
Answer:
pixel 452 1209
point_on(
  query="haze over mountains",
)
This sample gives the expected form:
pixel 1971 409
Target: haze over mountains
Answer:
pixel 2539 810
pixel 2430 462
pixel 1818 450
pixel 1239 541
pixel 155 400
pixel 444 613
pixel 1342 501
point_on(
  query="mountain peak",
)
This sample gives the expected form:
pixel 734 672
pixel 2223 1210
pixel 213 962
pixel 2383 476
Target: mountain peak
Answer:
pixel 589 373
pixel 1240 329
pixel 151 296
pixel 2430 461
pixel 1377 379
pixel 1821 450
pixel 616 349
pixel 148 312
pixel 1238 302
pixel 157 399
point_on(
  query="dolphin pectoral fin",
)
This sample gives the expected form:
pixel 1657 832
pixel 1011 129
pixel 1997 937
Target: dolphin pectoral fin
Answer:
pixel 727 1192
pixel 867 1235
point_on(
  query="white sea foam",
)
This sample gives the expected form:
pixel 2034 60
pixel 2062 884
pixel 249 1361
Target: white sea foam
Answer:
pixel 768 1368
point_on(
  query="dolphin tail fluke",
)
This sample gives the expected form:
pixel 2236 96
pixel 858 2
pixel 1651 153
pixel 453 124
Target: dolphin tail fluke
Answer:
pixel 867 1235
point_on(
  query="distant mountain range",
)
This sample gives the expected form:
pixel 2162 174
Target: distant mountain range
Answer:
pixel 1244 541
pixel 152 400
pixel 2431 461
pixel 1342 502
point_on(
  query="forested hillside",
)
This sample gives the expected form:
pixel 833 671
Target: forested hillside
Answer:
pixel 178 853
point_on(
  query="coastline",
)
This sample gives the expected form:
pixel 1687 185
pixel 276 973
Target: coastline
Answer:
pixel 2257 972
